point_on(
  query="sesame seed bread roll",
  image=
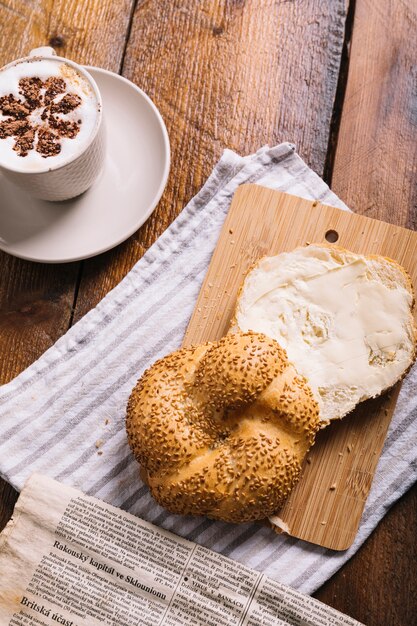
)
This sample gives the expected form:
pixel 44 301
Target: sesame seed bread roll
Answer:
pixel 344 319
pixel 221 429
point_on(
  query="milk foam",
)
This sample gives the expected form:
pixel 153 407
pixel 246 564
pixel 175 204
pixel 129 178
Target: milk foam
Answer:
pixel 87 111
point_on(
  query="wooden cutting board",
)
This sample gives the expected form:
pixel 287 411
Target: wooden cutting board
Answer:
pixel 326 506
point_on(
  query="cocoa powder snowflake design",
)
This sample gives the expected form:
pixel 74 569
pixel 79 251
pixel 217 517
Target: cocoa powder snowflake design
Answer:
pixel 34 122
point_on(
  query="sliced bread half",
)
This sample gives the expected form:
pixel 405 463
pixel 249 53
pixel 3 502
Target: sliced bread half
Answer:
pixel 344 319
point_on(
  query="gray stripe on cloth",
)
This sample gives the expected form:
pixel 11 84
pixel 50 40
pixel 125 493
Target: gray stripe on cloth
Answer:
pixel 284 546
pixel 106 478
pixel 263 541
pixel 219 531
pixel 249 533
pixel 147 507
pixel 134 498
pixel 198 530
pixel 161 517
pixel 400 428
pixel 78 418
pixel 91 364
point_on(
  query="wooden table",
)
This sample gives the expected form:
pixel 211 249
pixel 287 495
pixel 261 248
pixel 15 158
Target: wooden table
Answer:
pixel 337 78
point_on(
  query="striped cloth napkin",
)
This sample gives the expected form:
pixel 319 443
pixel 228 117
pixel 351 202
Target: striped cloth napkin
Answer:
pixel 64 415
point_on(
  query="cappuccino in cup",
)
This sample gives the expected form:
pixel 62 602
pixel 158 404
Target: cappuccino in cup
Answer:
pixel 50 121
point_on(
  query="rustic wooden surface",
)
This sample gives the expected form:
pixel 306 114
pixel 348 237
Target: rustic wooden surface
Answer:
pixel 239 74
pixel 347 452
pixel 375 172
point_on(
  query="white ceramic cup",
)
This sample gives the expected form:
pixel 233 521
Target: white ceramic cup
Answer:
pixel 75 174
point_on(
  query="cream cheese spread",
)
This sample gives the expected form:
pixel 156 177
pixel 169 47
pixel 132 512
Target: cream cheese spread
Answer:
pixel 344 320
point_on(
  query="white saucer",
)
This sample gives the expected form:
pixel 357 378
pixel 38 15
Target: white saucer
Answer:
pixel 119 202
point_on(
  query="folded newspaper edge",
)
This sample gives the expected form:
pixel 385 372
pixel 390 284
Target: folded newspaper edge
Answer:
pixel 71 559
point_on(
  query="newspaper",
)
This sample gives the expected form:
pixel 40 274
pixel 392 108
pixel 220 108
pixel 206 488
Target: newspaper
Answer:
pixel 70 559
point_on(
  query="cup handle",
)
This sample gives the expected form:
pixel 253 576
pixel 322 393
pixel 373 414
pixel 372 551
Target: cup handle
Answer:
pixel 44 51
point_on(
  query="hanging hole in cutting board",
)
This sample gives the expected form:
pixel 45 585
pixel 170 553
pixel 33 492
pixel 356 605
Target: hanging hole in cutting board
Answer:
pixel 331 236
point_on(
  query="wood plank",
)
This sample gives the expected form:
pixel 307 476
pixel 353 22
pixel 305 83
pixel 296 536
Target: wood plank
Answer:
pixel 91 32
pixel 377 585
pixel 375 169
pixel 375 162
pixel 36 300
pixel 345 453
pixel 232 74
pixel 226 75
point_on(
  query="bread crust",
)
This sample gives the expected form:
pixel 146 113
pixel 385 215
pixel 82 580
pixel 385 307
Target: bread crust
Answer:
pixel 222 429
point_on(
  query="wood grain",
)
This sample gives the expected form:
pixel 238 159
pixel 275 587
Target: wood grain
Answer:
pixel 261 221
pixel 36 301
pixel 377 585
pixel 375 172
pixel 226 74
pixel 91 32
pixel 234 74
pixel 168 54
pixel 376 157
